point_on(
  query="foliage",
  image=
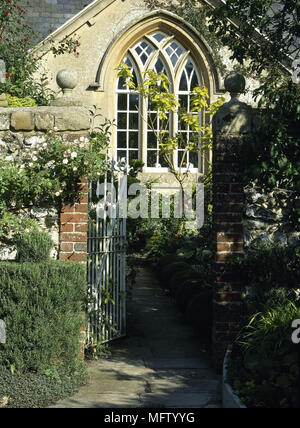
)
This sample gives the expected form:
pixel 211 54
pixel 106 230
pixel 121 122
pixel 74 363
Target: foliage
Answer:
pixel 272 271
pixel 262 31
pixel 38 390
pixel 33 246
pixel 48 173
pixel 17 39
pixel 20 102
pixel 265 40
pixel 265 363
pixel 94 351
pixel 41 304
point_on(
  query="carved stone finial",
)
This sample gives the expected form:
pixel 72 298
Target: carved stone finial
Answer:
pixel 67 80
pixel 234 117
pixel 235 83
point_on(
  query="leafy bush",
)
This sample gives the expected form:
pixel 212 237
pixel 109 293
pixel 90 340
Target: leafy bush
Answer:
pixel 20 102
pixel 186 291
pixel 38 390
pixel 41 305
pixel 180 277
pixel 173 268
pixel 273 272
pixel 265 365
pixel 199 313
pixel 33 246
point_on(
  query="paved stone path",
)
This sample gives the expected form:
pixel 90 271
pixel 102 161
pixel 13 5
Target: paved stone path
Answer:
pixel 159 364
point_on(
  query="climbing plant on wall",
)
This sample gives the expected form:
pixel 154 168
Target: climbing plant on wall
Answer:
pixel 17 40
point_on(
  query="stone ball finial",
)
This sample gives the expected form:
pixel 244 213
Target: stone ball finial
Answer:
pixel 235 83
pixel 67 80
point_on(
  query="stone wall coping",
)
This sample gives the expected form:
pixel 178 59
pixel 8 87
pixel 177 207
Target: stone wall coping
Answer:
pixel 45 118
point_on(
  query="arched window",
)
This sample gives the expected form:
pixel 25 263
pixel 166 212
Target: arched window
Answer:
pixel 160 52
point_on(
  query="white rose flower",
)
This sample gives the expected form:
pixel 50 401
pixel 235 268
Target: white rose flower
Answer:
pixel 74 155
pixel 34 158
pixel 75 169
pixel 57 193
pixel 65 161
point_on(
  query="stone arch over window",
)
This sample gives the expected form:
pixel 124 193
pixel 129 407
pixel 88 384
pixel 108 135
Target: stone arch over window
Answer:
pixel 162 43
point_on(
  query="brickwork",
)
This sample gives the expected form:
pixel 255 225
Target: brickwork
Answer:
pixel 73 228
pixel 45 16
pixel 228 238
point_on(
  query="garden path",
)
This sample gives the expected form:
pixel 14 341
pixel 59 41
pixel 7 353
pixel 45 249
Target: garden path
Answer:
pixel 159 364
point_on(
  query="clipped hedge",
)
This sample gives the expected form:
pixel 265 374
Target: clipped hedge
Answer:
pixel 42 306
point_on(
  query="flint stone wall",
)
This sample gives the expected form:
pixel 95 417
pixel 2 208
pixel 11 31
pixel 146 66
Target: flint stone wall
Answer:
pixel 266 217
pixel 23 129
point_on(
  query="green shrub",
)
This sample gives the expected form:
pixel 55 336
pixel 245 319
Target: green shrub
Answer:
pixel 180 277
pixel 33 246
pixel 172 268
pixel 166 260
pixel 42 306
pixel 272 270
pixel 186 291
pixel 199 313
pixel 20 102
pixel 265 365
pixel 38 390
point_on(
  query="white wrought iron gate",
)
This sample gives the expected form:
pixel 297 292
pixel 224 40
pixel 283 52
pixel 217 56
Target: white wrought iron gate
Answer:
pixel 107 257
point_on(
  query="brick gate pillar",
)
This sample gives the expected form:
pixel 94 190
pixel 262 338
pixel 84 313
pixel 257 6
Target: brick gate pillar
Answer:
pixel 231 124
pixel 74 227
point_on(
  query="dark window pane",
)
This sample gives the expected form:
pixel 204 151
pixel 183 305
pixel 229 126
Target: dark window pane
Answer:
pixel 121 84
pixel 183 100
pixel 133 154
pixel 189 68
pixel 159 37
pixel 194 159
pixel 122 120
pixel 194 81
pixel 159 66
pixel 122 102
pixel 152 141
pixel 174 59
pixel 144 58
pixel 152 121
pixel 144 44
pixel 138 50
pixel 133 121
pixel 135 80
pixel 149 50
pixel 169 51
pixel 182 157
pixel 133 102
pixel 151 158
pixel 183 83
pixel 121 144
pixel 179 51
pixel 121 154
pixel 133 140
pixel 163 162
